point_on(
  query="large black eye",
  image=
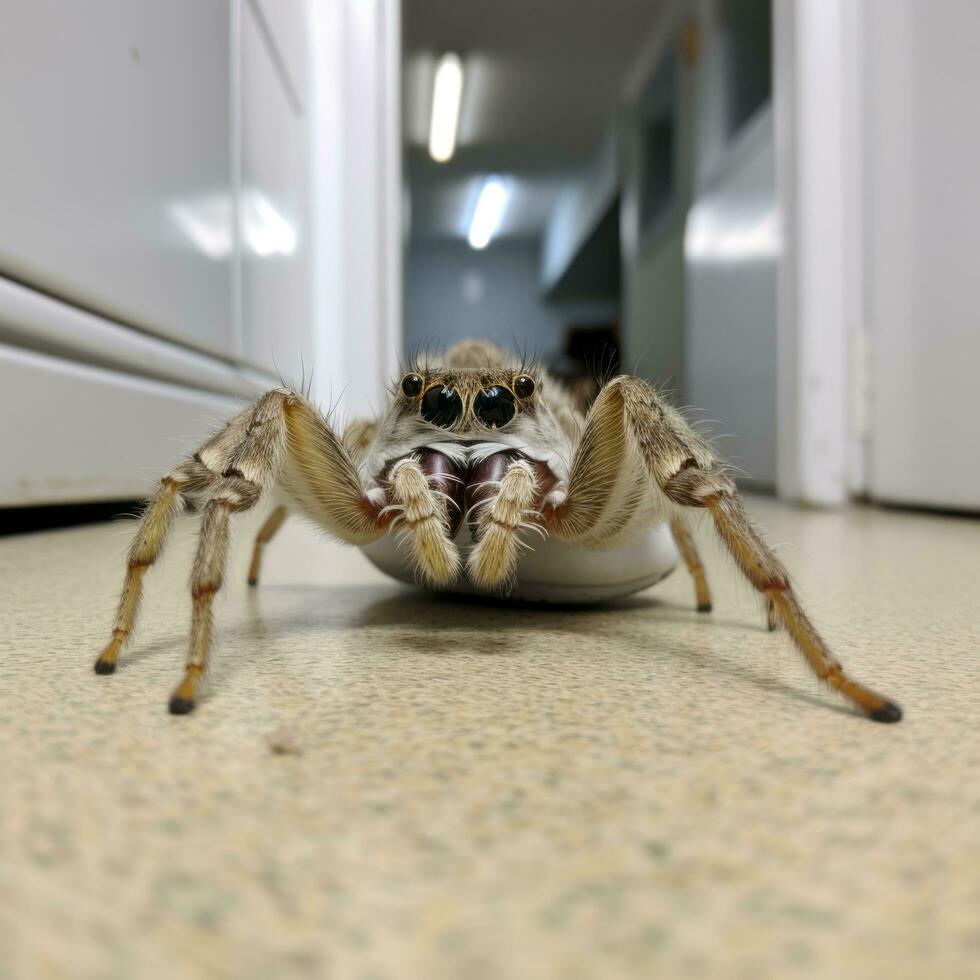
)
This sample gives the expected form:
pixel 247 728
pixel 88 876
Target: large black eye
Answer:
pixel 412 385
pixel 524 386
pixel 441 406
pixel 494 407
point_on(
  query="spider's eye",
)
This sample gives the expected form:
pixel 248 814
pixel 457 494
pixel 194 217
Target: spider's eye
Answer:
pixel 494 407
pixel 412 385
pixel 441 406
pixel 524 386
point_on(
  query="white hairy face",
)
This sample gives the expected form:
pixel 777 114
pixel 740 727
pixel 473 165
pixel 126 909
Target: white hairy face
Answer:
pixel 468 414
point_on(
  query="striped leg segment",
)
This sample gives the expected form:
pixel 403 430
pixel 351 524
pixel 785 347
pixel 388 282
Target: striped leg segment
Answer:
pixel 206 579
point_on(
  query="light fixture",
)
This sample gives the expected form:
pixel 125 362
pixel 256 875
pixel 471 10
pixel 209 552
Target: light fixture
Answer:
pixel 488 212
pixel 447 93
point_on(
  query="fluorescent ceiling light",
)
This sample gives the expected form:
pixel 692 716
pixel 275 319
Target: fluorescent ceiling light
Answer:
pixel 447 92
pixel 488 212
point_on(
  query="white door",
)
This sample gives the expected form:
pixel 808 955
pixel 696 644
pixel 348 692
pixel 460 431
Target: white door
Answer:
pixel 922 227
pixel 115 175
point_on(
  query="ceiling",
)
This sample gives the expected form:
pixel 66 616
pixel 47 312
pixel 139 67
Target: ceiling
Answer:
pixel 542 77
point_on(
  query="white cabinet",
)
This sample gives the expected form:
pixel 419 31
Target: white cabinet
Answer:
pixel 116 161
pixel 154 232
pixel 158 245
pixel 288 24
pixel 276 232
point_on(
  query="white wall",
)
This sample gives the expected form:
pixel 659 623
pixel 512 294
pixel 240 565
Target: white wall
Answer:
pixel 702 293
pixel 579 207
pixel 922 241
pixel 453 292
pixel 731 254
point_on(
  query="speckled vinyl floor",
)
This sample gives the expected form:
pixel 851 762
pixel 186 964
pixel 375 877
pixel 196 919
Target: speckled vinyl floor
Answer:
pixel 386 785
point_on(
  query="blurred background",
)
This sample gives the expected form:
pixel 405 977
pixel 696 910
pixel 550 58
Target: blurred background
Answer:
pixel 769 209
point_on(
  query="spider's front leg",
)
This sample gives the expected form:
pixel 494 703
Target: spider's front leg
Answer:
pixel 627 422
pixel 357 440
pixel 281 440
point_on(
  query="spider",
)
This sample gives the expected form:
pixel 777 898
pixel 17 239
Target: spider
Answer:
pixel 470 458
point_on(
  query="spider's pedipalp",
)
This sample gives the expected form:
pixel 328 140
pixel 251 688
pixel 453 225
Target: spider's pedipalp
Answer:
pixel 423 515
pixel 499 509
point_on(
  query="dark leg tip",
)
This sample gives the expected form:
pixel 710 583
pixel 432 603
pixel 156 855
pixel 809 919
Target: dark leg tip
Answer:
pixel 888 713
pixel 704 607
pixel 181 706
pixel 105 666
pixel 253 582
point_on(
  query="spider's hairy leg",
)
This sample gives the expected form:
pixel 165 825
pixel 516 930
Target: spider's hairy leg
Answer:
pixel 424 515
pixel 218 462
pixel 629 421
pixel 689 552
pixel 668 446
pixel 502 506
pixel 147 543
pixel 206 579
pixel 283 430
pixel 228 474
pixel 358 436
pixel 769 576
pixel 266 533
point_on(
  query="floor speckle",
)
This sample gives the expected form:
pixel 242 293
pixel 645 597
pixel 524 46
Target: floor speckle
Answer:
pixel 384 784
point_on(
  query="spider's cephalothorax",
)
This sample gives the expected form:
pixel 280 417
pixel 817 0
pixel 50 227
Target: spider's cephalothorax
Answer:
pixel 482 475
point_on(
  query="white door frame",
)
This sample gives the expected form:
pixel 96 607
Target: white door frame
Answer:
pixel 820 458
pixel 357 178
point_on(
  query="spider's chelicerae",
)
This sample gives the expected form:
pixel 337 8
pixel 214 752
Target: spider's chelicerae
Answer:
pixel 472 456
